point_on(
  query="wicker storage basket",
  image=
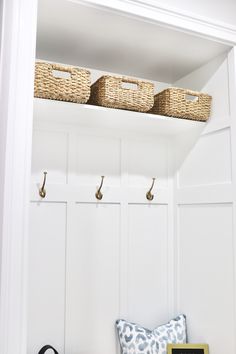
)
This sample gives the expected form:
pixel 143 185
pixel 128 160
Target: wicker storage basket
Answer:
pixel 181 103
pixel 108 91
pixel 76 88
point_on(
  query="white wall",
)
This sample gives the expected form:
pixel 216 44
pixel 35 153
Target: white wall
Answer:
pixel 205 254
pixel 114 249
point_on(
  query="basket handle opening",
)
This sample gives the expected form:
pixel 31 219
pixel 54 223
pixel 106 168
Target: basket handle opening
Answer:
pixel 62 74
pixel 191 98
pixel 129 84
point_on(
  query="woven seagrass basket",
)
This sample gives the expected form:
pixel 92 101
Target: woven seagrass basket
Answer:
pixel 75 88
pixel 181 103
pixel 110 91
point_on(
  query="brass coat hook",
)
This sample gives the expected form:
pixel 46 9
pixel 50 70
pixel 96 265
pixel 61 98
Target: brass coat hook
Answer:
pixel 99 194
pixel 42 190
pixel 149 194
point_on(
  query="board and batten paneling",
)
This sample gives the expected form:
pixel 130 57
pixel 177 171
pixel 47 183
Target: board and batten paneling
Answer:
pixel 205 240
pixel 209 162
pixel 49 153
pixel 93 278
pixel 148 264
pixel 47 238
pixel 93 156
pixel 147 158
pixel 104 241
pixel 205 274
pixel 218 87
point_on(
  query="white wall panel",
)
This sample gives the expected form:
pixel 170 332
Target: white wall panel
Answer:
pixel 46 276
pixel 96 156
pixel 49 154
pixel 148 264
pixel 218 87
pixel 93 279
pixel 209 162
pixel 147 159
pixel 206 274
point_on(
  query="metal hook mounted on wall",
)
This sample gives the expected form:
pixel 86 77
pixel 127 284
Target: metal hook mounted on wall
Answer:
pixel 42 190
pixel 149 194
pixel 99 194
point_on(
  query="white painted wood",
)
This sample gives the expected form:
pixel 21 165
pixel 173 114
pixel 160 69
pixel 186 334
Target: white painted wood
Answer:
pixel 92 302
pixel 118 122
pixel 171 231
pixel 213 193
pixel 17 52
pixel 49 153
pixel 232 91
pixel 209 162
pixel 114 38
pixel 47 241
pixel 148 159
pixel 182 145
pixel 218 87
pixel 96 157
pixel 124 231
pixel 205 273
pixel 79 194
pixel 147 264
pixel 205 236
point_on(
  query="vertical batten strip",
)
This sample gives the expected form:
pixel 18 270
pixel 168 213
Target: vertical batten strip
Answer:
pixel 232 104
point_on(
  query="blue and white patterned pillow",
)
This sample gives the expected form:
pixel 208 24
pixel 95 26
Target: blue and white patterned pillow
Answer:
pixel 135 339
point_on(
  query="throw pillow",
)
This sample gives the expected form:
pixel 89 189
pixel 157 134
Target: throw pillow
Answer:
pixel 135 339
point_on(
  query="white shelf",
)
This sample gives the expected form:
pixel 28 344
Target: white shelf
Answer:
pixel 121 121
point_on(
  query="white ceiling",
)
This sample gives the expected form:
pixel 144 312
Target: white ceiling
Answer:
pixel 75 34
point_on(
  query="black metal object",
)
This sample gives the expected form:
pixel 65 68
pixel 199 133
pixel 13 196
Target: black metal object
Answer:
pixel 45 348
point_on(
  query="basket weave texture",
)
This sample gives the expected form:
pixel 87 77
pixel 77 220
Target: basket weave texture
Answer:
pixel 108 91
pixel 174 102
pixel 76 88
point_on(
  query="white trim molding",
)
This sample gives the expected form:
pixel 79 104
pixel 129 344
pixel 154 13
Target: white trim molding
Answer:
pixel 18 38
pixel 153 11
pixel 232 83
